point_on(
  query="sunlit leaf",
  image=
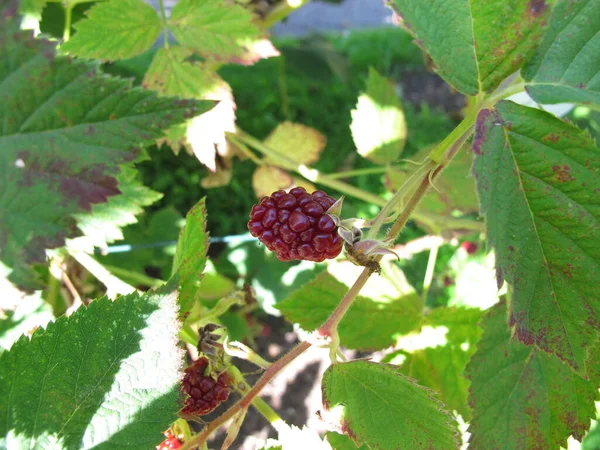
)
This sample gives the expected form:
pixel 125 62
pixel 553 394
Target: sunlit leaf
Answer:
pixel 475 44
pixel 31 311
pixel 522 397
pixel 218 31
pixel 538 180
pixel 115 29
pixel 106 376
pixel 66 130
pixel 378 126
pixel 297 142
pixel 566 67
pixel 386 410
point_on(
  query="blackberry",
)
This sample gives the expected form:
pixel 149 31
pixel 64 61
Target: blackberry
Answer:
pixel 204 392
pixel 295 226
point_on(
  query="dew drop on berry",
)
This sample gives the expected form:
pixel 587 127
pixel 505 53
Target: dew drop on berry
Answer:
pixel 299 222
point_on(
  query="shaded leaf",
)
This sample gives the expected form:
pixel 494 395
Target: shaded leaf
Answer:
pixel 386 410
pixel 297 142
pixel 378 126
pixel 268 179
pixel 538 180
pixel 67 128
pixel 475 44
pixel 566 67
pixel 521 397
pixel 369 324
pixel 213 29
pixel 190 256
pixel 115 29
pixel 107 376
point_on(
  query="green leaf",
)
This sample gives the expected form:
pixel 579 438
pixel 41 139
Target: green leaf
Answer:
pixel 441 368
pixel 215 30
pixel 106 377
pixel 103 225
pixel 115 29
pixel 67 128
pixel 32 8
pixel 538 180
pixel 171 73
pixel 386 410
pixel 566 67
pixel 31 311
pixel 521 397
pixel 371 323
pixel 475 44
pixel 378 126
pixel 190 256
pixel 342 442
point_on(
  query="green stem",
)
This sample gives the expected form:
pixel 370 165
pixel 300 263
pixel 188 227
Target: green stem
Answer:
pixel 163 19
pixel 359 172
pixel 67 30
pixel 281 11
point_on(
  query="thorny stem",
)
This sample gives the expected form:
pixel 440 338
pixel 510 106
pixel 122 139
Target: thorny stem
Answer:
pixel 67 29
pixel 440 156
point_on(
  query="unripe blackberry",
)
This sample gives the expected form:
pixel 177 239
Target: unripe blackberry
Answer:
pixel 170 443
pixel 204 393
pixel 295 226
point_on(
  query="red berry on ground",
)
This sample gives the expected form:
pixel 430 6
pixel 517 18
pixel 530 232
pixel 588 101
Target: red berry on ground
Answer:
pixel 204 393
pixel 170 443
pixel 295 225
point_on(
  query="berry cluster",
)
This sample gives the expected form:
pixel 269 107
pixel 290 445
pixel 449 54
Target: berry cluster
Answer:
pixel 204 393
pixel 295 226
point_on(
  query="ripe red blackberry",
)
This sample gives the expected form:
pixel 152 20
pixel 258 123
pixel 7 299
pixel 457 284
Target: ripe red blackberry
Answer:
pixel 204 392
pixel 295 226
pixel 170 443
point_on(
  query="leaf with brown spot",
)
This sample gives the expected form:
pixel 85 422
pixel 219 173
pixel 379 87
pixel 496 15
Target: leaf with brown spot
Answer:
pixel 475 44
pixel 540 199
pixel 522 397
pixel 566 67
pixel 66 129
